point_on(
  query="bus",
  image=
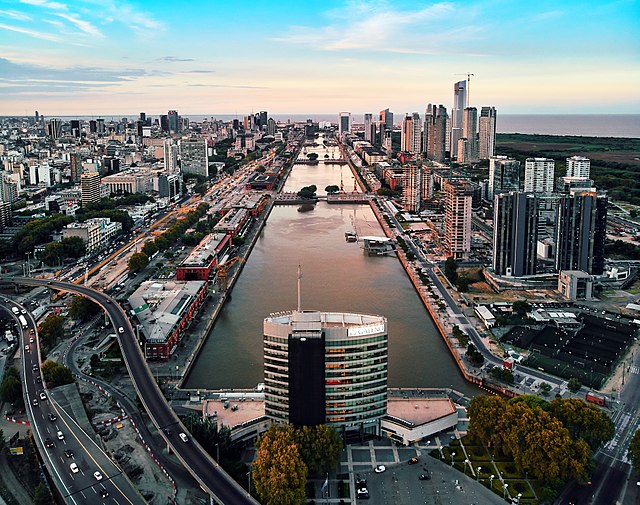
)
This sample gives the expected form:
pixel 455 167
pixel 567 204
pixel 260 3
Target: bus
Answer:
pixel 23 321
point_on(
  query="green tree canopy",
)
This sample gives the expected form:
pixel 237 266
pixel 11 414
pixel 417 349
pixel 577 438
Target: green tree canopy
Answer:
pixel 56 374
pixel 574 385
pixel 51 330
pixel 451 269
pixel 82 309
pixel 332 189
pixel 634 451
pixel 11 386
pixel 583 420
pixel 521 307
pixel 138 262
pixel 279 474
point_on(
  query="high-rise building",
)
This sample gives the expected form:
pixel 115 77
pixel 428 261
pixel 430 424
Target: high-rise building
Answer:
pixel 435 132
pixel 515 234
pixel 469 132
pixel 411 133
pixel 457 217
pixel 100 126
pixel 193 157
pixel 75 128
pixel 368 121
pixel 173 121
pixel 89 188
pixel 457 118
pixel 504 175
pixel 578 166
pixel 75 166
pixel 54 128
pixel 326 368
pixel 487 135
pixel 164 123
pixel 412 187
pixel 538 175
pixel 262 117
pixel 93 126
pixel 386 118
pixel 344 125
pixel 170 156
pixel 271 126
pixel 581 227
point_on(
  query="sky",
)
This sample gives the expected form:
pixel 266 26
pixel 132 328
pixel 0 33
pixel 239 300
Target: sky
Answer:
pixel 103 57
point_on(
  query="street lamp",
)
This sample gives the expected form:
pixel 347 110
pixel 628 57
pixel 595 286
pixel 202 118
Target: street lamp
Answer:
pixel 466 462
pixel 491 477
pixel 452 455
pixel 478 474
pixel 518 496
pixel 504 487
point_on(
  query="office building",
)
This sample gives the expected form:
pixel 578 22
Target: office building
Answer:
pixel 487 134
pixel 578 166
pixel 412 187
pixel 170 156
pixel 573 184
pixel 457 116
pixel 54 128
pixel 344 124
pixel 164 123
pixel 326 368
pixel 173 121
pixel 271 127
pixel 386 118
pixel 411 134
pixel 504 175
pixel 90 188
pixel 368 123
pixel 435 132
pixel 193 157
pixel 5 214
pixel 539 175
pixel 515 234
pixel 469 132
pixel 170 185
pixel 581 227
pixel 457 217
pixel 100 126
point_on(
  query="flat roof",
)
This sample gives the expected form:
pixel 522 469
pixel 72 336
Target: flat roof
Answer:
pixel 204 252
pixel 419 411
pixel 232 219
pixel 248 409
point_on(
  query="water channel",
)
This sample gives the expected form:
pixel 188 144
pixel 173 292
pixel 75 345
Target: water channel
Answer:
pixel 336 276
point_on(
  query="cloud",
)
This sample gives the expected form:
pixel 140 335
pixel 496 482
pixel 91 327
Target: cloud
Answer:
pixel 45 3
pixel 199 71
pixel 31 33
pixel 173 59
pixel 127 15
pixel 19 16
pixel 380 26
pixel 232 86
pixel 83 25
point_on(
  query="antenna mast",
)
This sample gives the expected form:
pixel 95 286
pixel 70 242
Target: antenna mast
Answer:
pixel 299 277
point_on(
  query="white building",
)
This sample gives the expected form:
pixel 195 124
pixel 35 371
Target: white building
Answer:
pixel 538 175
pixel 96 233
pixel 170 156
pixel 578 166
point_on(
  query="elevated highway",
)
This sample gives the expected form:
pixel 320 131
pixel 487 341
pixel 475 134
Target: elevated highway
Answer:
pixel 211 477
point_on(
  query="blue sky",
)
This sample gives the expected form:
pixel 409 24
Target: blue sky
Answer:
pixel 111 56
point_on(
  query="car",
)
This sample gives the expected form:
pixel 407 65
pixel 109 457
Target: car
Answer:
pixel 97 475
pixel 168 432
pixel 52 417
pixel 60 435
pixel 31 340
pixel 39 379
pixel 104 493
pixel 34 402
pixel 74 468
pixel 68 453
pixel 26 347
pixel 107 301
pixel 362 493
pixel 184 437
pixel 23 311
pixel 35 367
pixel 414 461
pixel 32 331
pixel 43 396
pixel 380 469
pixel 424 476
pixel 121 330
pixel 48 443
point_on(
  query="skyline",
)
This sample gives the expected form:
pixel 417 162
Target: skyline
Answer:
pixel 93 57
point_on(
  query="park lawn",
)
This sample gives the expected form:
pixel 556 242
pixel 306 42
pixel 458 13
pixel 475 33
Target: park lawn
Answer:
pixel 503 466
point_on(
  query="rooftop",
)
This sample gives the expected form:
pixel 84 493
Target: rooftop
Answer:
pixel 202 255
pixel 417 411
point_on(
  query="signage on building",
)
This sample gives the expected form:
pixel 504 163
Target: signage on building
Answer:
pixel 365 330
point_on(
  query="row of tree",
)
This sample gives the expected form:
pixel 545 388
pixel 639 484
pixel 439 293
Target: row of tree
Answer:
pixel 550 440
pixel 285 457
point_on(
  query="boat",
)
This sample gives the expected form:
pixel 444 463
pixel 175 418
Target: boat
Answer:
pixel 350 236
pixel 377 246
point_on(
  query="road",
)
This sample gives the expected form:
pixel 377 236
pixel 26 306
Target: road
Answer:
pixel 62 442
pixel 201 466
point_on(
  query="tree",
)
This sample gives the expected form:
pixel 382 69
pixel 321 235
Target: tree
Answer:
pixel 56 374
pixel 332 189
pixel 574 385
pixel 82 309
pixel 74 247
pixel 42 495
pixel 149 248
pixel 137 262
pixel 327 446
pixel 51 330
pixel 237 241
pixel 53 254
pixel 11 386
pixel 279 474
pixel 521 307
pixel 583 420
pixel 485 413
pixel 634 451
pixel 545 387
pixel 451 270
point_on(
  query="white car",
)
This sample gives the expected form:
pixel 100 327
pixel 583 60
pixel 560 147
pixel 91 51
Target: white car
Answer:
pixel 97 475
pixel 121 330
pixel 74 468
pixel 380 469
pixel 184 437
pixel 60 435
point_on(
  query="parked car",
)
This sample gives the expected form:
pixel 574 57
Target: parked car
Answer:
pixel 414 461
pixel 74 468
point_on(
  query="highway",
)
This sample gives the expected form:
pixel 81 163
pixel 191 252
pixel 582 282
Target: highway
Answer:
pixel 213 479
pixel 70 454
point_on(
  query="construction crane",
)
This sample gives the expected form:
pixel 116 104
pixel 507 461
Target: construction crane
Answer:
pixel 468 74
pixel 221 276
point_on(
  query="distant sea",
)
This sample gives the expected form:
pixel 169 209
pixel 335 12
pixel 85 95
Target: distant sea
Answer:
pixel 587 125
